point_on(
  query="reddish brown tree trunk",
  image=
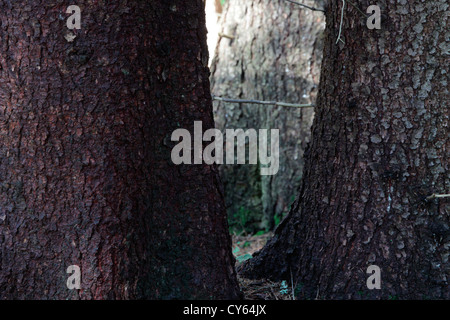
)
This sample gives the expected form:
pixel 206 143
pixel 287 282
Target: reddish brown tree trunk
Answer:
pixel 86 177
pixel 379 152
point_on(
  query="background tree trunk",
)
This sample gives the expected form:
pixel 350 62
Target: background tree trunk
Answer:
pixel 379 149
pixel 86 178
pixel 275 54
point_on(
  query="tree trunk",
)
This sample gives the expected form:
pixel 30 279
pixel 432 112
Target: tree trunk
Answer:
pixel 274 53
pixel 218 6
pixel 379 151
pixel 86 177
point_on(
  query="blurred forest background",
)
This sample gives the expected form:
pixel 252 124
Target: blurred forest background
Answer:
pixel 264 50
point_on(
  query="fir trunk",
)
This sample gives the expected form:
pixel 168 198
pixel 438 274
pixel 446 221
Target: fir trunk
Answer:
pixel 86 177
pixel 379 152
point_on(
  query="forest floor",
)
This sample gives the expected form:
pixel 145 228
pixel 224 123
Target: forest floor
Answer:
pixel 261 289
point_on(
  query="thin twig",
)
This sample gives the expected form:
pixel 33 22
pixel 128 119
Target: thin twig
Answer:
pixel 434 195
pixel 340 25
pixel 292 285
pixel 225 36
pixel 304 5
pixel 271 103
pixel 356 7
pixel 273 293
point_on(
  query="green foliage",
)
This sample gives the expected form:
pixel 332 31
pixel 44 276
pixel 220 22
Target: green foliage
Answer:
pixel 244 257
pixel 278 217
pixel 241 258
pixel 247 221
pixel 284 287
pixel 222 2
pixel 239 222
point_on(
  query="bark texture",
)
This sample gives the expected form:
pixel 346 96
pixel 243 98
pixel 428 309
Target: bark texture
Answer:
pixel 86 178
pixel 275 54
pixel 379 148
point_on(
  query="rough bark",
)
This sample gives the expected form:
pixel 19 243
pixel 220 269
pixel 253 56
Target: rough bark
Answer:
pixel 86 176
pixel 275 54
pixel 379 149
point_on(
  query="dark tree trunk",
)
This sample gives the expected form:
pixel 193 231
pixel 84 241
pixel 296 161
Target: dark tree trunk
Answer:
pixel 86 177
pixel 379 149
pixel 275 54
